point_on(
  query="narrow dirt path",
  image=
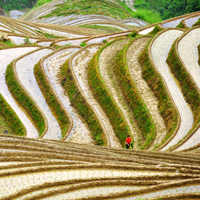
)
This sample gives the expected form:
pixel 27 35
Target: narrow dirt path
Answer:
pixel 80 64
pixel 159 51
pixel 188 52
pixel 106 69
pixel 80 133
pixel 148 96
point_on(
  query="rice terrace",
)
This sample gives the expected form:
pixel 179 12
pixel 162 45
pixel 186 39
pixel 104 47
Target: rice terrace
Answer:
pixel 77 77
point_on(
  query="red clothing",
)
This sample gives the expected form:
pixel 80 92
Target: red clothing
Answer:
pixel 128 140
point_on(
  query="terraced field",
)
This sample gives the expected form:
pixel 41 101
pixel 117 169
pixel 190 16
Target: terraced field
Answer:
pixel 70 96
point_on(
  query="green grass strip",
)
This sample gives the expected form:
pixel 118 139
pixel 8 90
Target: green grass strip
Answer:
pixel 165 104
pixel 189 89
pixel 52 101
pixel 133 98
pixel 11 118
pixel 24 100
pixel 106 101
pixel 81 105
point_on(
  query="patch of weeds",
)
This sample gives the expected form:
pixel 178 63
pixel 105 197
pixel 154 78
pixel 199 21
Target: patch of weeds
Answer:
pixel 83 44
pixel 156 29
pixel 132 35
pixel 27 41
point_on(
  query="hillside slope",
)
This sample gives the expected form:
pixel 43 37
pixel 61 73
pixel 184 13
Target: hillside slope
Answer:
pixel 70 95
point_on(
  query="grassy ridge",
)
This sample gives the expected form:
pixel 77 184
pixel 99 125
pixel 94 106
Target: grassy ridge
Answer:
pixel 52 101
pixel 189 90
pixel 105 99
pixel 133 98
pixel 24 100
pixel 165 105
pixel 11 118
pixel 80 104
pixel 117 9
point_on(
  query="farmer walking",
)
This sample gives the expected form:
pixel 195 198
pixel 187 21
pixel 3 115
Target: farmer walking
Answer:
pixel 128 142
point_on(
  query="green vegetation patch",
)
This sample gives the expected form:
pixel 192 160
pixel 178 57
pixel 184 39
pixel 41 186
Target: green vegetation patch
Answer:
pixel 197 23
pixel 168 9
pixel 189 89
pixel 8 44
pixel 105 99
pixel 80 104
pixel 11 118
pixel 53 103
pixel 181 25
pixel 4 128
pixel 24 100
pixel 117 10
pixel 155 82
pixel 105 29
pixel 41 2
pixel 8 5
pixel 133 98
pixel 48 35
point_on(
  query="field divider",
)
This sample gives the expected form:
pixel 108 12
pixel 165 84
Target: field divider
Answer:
pixel 105 99
pixel 17 27
pixel 55 104
pixel 118 181
pixel 166 103
pixel 80 101
pixel 133 97
pixel 130 192
pixel 32 109
pixel 178 196
pixel 189 87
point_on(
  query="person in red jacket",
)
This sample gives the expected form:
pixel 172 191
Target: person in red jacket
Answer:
pixel 128 142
